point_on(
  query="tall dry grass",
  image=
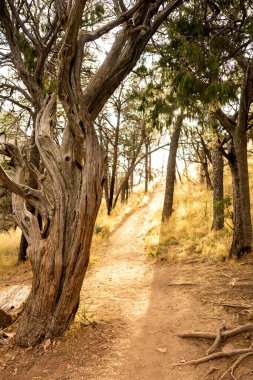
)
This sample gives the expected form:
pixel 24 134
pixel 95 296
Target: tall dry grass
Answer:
pixel 188 232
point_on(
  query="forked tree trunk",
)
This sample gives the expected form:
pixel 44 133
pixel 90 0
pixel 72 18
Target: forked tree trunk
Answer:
pixel 218 193
pixel 171 170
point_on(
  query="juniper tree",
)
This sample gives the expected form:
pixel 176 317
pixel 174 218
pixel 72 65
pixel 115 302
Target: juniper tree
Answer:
pixel 70 184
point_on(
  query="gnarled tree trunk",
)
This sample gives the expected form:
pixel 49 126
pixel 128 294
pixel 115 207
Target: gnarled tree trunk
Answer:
pixel 67 200
pixel 60 257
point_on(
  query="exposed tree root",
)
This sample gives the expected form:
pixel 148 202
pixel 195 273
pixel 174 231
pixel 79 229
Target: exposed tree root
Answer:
pixel 236 364
pixel 224 334
pixel 218 338
pixel 216 355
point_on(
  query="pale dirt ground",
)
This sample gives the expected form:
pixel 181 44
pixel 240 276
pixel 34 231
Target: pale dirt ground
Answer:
pixel 136 305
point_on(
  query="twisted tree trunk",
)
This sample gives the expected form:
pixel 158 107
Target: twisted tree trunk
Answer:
pixel 66 203
pixel 60 257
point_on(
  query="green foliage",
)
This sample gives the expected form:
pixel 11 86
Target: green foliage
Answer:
pixel 191 27
pixel 225 204
pixel 95 15
pixel 48 86
pixel 196 56
pixel 30 54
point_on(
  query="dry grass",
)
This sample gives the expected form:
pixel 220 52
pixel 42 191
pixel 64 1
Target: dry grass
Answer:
pixel 188 232
pixel 9 241
pixel 9 245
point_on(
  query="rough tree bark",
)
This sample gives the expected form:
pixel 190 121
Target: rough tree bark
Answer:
pixel 34 161
pixel 218 193
pixel 237 245
pixel 59 234
pixel 171 169
pixel 238 160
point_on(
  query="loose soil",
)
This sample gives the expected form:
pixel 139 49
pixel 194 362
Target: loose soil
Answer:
pixel 132 308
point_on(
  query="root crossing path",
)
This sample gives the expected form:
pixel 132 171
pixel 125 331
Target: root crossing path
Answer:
pixel 132 308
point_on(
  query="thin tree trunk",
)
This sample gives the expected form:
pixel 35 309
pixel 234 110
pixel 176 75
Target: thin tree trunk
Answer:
pixel 171 170
pixel 178 173
pixel 114 167
pixel 150 176
pixel 218 194
pixel 146 167
pixel 209 185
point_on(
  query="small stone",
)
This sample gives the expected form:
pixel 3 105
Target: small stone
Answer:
pixel 163 350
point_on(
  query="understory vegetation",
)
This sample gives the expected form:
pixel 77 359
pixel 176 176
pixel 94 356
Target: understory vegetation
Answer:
pixel 188 234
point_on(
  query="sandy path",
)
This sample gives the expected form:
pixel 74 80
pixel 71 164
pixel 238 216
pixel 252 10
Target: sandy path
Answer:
pixel 131 288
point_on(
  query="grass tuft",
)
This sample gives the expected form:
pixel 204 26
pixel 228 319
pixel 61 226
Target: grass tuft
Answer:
pixel 9 246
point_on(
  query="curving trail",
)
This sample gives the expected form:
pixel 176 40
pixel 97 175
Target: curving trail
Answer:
pixel 135 307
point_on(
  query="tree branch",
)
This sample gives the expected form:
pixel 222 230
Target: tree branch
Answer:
pixel 225 121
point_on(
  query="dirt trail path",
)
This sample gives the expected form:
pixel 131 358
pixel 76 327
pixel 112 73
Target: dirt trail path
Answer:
pixel 136 307
pixel 133 291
